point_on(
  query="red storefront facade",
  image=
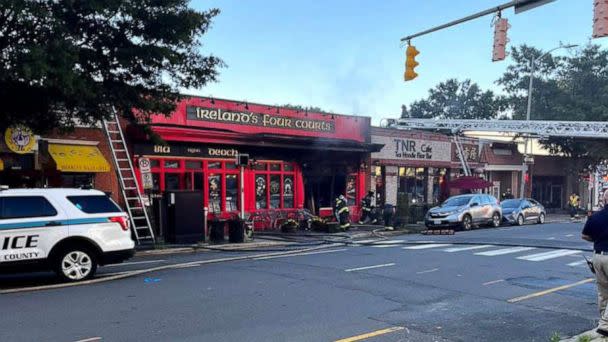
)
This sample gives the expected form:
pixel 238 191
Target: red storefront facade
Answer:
pixel 298 159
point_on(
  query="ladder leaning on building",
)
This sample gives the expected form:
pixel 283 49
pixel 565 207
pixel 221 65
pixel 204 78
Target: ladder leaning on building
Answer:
pixel 134 203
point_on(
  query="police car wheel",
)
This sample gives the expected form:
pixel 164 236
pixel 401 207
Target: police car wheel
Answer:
pixel 75 264
pixel 520 220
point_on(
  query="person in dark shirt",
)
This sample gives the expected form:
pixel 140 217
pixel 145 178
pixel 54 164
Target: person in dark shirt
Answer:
pixel 596 231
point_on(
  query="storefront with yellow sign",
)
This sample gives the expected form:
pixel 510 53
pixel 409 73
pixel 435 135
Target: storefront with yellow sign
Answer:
pixel 75 159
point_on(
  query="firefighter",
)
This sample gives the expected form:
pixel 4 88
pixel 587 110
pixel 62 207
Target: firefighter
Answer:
pixel 342 214
pixel 366 208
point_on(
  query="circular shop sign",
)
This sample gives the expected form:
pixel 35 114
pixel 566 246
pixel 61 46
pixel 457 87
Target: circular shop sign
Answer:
pixel 19 139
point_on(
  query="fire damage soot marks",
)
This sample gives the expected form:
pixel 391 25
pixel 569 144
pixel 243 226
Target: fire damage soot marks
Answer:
pixel 18 242
pixel 256 119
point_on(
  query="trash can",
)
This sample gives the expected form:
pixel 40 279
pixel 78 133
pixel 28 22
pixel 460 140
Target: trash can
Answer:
pixel 216 231
pixel 236 231
pixel 184 216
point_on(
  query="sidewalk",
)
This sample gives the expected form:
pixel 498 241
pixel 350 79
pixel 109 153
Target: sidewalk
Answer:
pixel 587 336
pixel 561 218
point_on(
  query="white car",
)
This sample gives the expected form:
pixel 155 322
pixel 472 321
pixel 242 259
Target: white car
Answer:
pixel 69 231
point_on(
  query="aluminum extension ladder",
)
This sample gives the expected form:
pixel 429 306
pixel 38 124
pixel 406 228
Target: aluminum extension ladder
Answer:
pixel 134 202
pixel 462 157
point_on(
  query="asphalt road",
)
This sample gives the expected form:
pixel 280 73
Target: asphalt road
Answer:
pixel 508 284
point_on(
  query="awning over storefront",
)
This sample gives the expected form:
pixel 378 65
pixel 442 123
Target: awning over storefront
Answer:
pixel 78 158
pixel 469 183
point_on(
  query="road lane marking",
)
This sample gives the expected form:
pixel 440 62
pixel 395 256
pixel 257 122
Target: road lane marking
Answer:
pixel 569 235
pixel 551 238
pixel 370 334
pixel 548 255
pixel 92 339
pixel 367 241
pixel 384 246
pixel 504 251
pixel 298 254
pixel 548 291
pixel 430 245
pixel 577 263
pixel 428 271
pixel 136 263
pixel 459 249
pixel 368 267
pixel 493 282
pixel 387 242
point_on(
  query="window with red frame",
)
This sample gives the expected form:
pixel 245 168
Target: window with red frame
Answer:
pixel 274 185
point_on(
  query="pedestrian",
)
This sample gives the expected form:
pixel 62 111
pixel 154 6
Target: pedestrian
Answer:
pixel 342 213
pixel 366 208
pixel 507 195
pixel 573 203
pixel 596 231
pixel 387 212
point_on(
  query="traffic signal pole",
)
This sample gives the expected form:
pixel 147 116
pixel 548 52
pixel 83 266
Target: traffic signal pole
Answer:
pixel 518 4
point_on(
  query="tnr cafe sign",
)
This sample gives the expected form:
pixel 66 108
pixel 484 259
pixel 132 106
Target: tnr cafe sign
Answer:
pixel 412 149
pixel 256 119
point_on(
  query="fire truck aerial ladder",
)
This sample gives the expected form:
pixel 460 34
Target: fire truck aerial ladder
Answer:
pixel 532 128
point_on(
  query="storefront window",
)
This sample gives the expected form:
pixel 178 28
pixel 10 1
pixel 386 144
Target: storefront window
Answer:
pixel 439 177
pixel 77 180
pixel 275 167
pixel 413 181
pixel 259 166
pixel 171 164
pixel 288 192
pixel 260 192
pixel 154 163
pixel 288 167
pixel 215 193
pixel 351 189
pixel 215 165
pixel 193 164
pixel 231 166
pixel 155 182
pixel 198 181
pixel 172 181
pixel 275 191
pixel 232 193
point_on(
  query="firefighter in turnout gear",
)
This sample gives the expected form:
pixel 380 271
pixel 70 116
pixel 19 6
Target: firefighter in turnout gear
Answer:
pixel 367 209
pixel 342 214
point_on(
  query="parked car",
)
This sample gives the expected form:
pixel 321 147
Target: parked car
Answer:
pixel 465 211
pixel 520 211
pixel 69 231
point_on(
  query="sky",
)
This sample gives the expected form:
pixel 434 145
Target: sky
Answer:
pixel 346 56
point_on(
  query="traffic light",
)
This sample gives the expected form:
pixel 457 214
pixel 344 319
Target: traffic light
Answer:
pixel 600 18
pixel 410 63
pixel 500 39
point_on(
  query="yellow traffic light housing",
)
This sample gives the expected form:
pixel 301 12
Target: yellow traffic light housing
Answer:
pixel 410 63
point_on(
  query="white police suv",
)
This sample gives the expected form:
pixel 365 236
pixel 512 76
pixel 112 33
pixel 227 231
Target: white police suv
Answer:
pixel 70 231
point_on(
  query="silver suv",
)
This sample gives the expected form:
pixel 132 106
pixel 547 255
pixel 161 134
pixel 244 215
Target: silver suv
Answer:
pixel 465 211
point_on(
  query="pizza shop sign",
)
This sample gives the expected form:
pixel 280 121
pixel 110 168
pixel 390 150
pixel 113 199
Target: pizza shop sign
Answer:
pixel 257 119
pixel 412 149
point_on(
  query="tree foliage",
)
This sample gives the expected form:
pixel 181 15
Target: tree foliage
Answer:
pixel 569 88
pixel 63 62
pixel 453 99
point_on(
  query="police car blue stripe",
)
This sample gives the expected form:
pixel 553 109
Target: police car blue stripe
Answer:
pixel 40 224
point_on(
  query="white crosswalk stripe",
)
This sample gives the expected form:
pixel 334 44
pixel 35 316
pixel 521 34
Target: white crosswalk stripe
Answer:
pixel 430 245
pixel 384 246
pixel 388 242
pixel 367 241
pixel 577 263
pixel 504 251
pixel 470 248
pixel 548 255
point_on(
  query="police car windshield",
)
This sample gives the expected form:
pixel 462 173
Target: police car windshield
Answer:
pixel 96 204
pixel 513 203
pixel 457 201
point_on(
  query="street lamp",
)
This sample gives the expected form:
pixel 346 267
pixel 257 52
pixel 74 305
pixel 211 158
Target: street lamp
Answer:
pixel 530 88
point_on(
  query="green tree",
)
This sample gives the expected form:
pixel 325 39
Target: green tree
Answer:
pixel 453 99
pixel 569 88
pixel 63 62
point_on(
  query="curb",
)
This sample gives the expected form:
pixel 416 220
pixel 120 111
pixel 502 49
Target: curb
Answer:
pixel 594 337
